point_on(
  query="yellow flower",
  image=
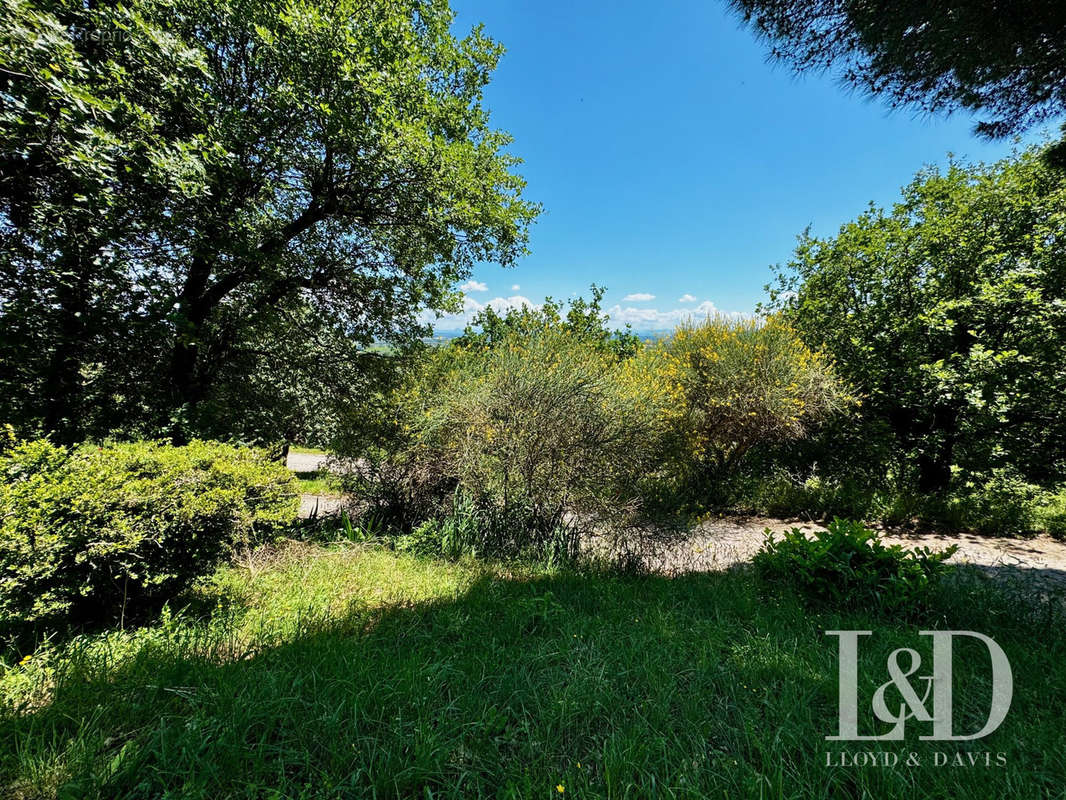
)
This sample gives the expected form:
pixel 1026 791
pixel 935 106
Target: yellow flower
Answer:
pixel 560 788
pixel 25 660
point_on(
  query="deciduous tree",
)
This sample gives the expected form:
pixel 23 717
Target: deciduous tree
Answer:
pixel 947 312
pixel 187 184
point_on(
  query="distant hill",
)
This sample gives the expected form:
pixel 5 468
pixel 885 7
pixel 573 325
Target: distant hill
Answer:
pixel 440 337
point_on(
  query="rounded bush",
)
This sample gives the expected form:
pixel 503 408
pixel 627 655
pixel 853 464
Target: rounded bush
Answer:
pixel 744 383
pixel 90 532
pixel 848 565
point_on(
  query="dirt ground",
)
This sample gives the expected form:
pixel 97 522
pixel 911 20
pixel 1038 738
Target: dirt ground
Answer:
pixel 305 462
pixel 719 544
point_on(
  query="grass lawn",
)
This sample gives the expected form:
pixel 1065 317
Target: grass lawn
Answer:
pixel 317 482
pixel 340 672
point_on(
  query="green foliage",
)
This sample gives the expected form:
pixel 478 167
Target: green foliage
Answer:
pixel 584 320
pixel 92 532
pixel 317 482
pixel 1052 514
pixel 544 428
pixel 1003 62
pixel 551 429
pixel 212 208
pixel 461 532
pixel 738 385
pixel 848 565
pixel 481 529
pixel 545 420
pixel 996 504
pixel 1000 503
pixel 95 156
pixel 779 493
pixel 947 314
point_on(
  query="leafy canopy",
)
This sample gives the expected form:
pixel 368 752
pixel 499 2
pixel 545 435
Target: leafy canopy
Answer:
pixel 584 319
pixel 1002 59
pixel 947 313
pixel 198 195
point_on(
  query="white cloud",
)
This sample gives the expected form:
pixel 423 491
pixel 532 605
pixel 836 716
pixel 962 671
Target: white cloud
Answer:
pixel 638 297
pixel 654 319
pixel 686 298
pixel 501 304
pixel 474 286
pixel 515 288
pixel 456 322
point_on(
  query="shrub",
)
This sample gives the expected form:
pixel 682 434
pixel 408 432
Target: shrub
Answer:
pixel 1052 514
pixel 398 459
pixel 478 528
pixel 781 494
pixel 551 430
pixel 742 384
pixel 998 503
pixel 583 319
pixel 848 565
pixel 90 532
pixel 398 487
pixel 543 432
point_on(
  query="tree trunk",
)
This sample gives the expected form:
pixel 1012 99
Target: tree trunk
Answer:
pixel 62 383
pixel 200 296
pixel 187 383
pixel 934 462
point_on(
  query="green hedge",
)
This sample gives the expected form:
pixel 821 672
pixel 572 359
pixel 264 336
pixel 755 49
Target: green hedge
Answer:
pixel 89 533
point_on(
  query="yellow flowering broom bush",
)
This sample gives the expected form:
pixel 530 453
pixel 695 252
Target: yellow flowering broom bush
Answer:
pixel 743 383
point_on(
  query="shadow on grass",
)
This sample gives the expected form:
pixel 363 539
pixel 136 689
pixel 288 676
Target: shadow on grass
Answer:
pixel 603 685
pixel 314 474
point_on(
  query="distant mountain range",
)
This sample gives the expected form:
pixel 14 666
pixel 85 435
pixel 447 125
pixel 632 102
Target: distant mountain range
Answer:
pixel 444 336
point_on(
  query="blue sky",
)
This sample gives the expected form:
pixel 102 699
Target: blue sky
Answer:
pixel 672 161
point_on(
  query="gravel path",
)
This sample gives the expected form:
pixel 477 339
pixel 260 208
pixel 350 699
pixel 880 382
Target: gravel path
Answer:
pixel 319 505
pixel 719 544
pixel 313 505
pixel 305 462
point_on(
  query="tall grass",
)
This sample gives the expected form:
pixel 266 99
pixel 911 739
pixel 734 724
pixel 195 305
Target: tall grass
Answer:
pixel 354 672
